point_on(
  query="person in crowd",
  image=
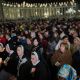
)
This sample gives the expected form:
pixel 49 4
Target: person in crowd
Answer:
pixel 76 45
pixel 2 39
pixel 76 54
pixel 11 42
pixel 3 53
pixel 24 65
pixel 65 41
pixel 67 72
pixel 37 46
pixel 60 57
pixel 11 61
pixel 39 69
pixel 28 47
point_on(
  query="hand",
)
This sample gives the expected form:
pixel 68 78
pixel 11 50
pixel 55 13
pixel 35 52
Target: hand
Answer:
pixel 57 64
pixel 33 70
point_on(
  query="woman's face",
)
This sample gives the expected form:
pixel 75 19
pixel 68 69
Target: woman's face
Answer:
pixel 62 48
pixel 33 59
pixel 19 51
pixel 75 41
pixel 35 42
pixel 28 41
pixel 40 36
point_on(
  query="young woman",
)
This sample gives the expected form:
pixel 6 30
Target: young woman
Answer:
pixel 37 46
pixel 24 66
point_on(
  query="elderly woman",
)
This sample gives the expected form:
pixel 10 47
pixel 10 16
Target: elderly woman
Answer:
pixel 39 70
pixel 24 66
pixel 66 72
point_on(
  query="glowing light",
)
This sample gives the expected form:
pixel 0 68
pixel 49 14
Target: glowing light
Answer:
pixel 46 14
pixel 18 5
pixel 71 10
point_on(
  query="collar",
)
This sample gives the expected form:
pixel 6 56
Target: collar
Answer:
pixel 21 61
pixel 36 63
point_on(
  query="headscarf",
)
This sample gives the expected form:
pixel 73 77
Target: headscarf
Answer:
pixel 67 72
pixel 37 57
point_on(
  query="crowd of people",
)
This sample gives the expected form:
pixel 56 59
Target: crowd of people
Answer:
pixel 40 50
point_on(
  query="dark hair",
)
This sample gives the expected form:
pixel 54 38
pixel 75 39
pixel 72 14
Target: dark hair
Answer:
pixel 64 37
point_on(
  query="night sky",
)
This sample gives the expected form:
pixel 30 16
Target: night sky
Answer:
pixel 37 1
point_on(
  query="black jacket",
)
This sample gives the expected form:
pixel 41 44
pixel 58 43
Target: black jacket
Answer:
pixel 11 66
pixel 24 71
pixel 41 72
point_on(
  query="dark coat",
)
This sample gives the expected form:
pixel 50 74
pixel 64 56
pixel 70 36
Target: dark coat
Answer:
pixel 24 71
pixel 41 72
pixel 11 66
pixel 3 55
pixel 76 61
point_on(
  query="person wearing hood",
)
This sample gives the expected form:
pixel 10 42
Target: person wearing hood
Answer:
pixel 39 69
pixel 24 66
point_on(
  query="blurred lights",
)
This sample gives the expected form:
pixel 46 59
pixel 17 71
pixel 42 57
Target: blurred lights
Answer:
pixel 71 10
pixel 24 4
pixel 46 14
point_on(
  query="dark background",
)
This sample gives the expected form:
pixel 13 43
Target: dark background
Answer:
pixel 37 1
